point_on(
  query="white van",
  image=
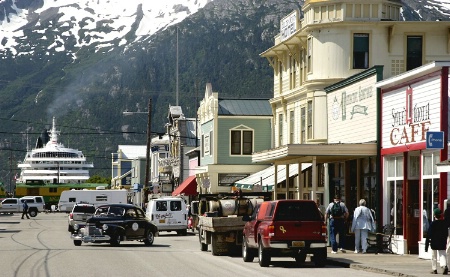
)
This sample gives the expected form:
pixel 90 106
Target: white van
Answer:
pixel 169 214
pixel 96 197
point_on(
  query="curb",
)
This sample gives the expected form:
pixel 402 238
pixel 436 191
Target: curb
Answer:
pixel 367 268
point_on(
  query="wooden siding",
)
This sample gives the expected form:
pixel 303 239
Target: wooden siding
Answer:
pixel 424 93
pixel 352 112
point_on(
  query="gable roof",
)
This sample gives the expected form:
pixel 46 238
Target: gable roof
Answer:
pixel 246 107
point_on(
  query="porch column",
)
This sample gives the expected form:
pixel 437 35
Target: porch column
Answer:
pixel 287 181
pixel 314 178
pixel 299 186
pixel 275 178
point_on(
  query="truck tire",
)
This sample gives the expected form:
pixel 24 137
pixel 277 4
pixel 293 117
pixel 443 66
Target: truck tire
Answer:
pixel 32 212
pixel 115 239
pixel 214 242
pixel 247 254
pixel 77 242
pixel 263 255
pixel 320 258
pixel 203 246
pixel 149 238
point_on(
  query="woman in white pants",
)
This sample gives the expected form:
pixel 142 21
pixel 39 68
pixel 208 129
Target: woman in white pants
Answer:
pixel 362 222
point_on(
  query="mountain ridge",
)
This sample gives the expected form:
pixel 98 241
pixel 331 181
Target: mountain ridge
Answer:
pixel 87 79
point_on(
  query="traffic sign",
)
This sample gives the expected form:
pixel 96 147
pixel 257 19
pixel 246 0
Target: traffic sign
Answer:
pixel 435 140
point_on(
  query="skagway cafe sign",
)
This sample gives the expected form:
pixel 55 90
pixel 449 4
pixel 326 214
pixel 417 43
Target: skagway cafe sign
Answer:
pixel 410 125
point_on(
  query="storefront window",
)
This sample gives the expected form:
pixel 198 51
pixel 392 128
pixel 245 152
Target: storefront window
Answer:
pixel 394 168
pixel 369 181
pixel 338 181
pixel 430 189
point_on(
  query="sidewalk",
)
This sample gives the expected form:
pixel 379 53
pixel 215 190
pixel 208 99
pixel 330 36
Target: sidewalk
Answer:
pixel 390 264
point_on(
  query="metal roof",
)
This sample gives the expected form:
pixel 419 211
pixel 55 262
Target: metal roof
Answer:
pixel 246 107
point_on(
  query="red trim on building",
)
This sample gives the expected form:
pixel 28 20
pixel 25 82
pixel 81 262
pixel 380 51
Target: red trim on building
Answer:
pixel 404 148
pixel 444 127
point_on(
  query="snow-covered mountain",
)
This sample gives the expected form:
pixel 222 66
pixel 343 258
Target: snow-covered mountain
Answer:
pixel 72 24
pixel 84 22
pixel 86 61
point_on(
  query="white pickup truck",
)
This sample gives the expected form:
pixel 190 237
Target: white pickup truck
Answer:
pixel 14 205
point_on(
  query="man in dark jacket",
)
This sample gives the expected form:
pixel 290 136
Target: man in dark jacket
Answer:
pixel 25 209
pixel 437 239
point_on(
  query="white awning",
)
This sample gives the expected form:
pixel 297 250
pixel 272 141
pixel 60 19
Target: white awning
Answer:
pixel 443 166
pixel 266 177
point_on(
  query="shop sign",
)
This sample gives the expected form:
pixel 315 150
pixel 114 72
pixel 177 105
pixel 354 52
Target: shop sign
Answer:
pixel 410 129
pixel 288 25
pixel 435 140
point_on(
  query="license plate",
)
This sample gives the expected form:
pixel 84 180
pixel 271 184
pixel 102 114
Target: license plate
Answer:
pixel 162 221
pixel 229 239
pixel 298 244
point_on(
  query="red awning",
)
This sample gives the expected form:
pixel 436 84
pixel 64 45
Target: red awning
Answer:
pixel 188 187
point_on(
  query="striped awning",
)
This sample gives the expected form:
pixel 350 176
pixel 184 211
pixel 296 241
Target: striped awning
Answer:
pixel 264 180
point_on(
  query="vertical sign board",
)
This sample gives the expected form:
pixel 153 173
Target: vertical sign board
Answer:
pixel 288 25
pixel 435 140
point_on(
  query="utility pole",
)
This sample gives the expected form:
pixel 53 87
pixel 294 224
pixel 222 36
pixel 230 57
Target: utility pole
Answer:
pixel 10 171
pixel 177 72
pixel 147 160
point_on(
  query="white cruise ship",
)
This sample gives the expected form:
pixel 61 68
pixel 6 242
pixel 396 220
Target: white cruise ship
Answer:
pixel 53 163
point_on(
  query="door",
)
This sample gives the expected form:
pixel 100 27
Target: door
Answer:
pixel 412 216
pixel 10 205
pixel 251 227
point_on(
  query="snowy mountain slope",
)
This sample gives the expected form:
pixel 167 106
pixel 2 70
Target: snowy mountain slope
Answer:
pixel 68 25
pixel 85 22
pixel 87 61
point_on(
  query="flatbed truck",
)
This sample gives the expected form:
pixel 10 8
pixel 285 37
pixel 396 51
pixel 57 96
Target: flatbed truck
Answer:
pixel 221 223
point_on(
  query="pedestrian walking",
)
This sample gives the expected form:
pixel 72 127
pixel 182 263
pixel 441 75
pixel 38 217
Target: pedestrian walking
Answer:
pixel 25 209
pixel 337 213
pixel 447 220
pixel 437 239
pixel 362 223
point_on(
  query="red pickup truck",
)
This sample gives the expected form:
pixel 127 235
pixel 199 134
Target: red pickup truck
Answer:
pixel 285 228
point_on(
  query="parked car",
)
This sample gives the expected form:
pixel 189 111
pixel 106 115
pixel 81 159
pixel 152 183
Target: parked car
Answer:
pixel 285 228
pixel 114 223
pixel 15 205
pixel 79 214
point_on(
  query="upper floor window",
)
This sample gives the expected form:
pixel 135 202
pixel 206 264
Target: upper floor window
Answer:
pixel 291 126
pixel 241 142
pixel 310 119
pixel 280 129
pixel 293 72
pixel 303 124
pixel 310 45
pixel 414 45
pixel 360 51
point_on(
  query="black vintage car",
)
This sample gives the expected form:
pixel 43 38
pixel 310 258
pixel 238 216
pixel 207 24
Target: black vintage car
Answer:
pixel 114 223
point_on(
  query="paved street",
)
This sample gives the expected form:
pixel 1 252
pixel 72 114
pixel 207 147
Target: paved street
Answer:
pixel 41 247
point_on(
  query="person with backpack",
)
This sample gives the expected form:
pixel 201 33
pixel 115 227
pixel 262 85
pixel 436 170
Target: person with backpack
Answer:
pixel 337 213
pixel 25 209
pixel 362 223
pixel 437 239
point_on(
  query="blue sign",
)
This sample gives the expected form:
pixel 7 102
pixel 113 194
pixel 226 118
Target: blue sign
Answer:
pixel 136 187
pixel 435 140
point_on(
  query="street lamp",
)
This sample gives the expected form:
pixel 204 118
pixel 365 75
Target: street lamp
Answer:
pixel 147 154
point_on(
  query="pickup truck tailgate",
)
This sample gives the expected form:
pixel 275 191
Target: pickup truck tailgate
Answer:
pixel 298 230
